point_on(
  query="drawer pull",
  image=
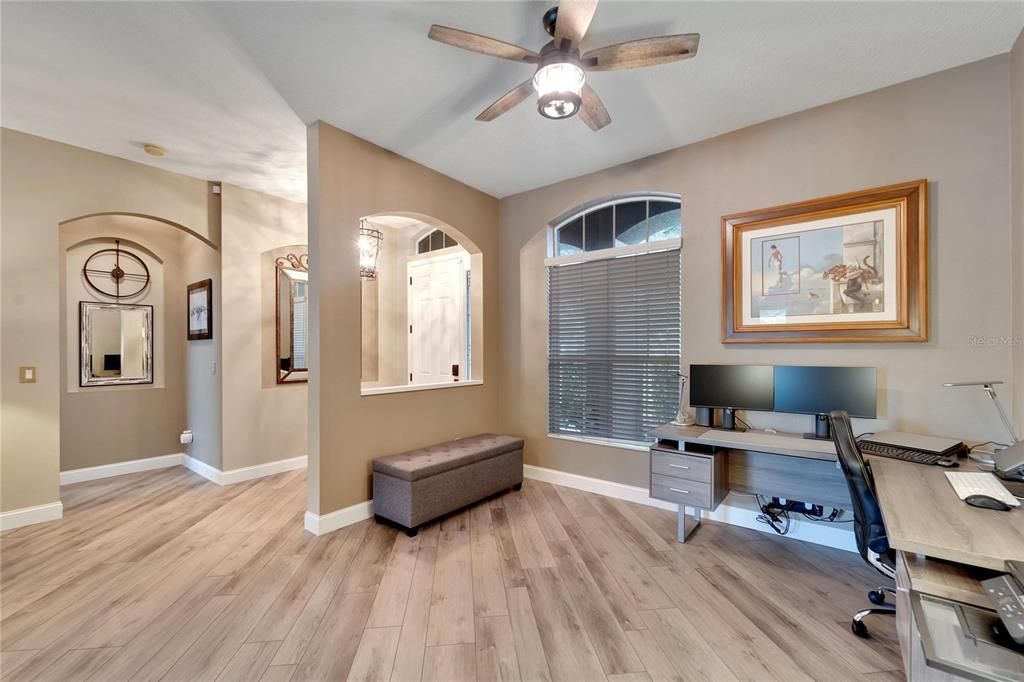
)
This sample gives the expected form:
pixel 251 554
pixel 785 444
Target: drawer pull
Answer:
pixel 678 466
pixel 677 490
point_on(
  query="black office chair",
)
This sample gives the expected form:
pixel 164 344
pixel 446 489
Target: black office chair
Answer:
pixel 868 526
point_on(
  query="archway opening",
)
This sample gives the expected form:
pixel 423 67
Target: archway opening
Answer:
pixel 422 306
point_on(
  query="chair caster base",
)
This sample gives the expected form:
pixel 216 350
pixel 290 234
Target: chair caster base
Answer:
pixel 876 597
pixel 859 628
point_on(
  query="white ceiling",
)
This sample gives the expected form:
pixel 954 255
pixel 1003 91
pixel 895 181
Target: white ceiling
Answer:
pixel 227 87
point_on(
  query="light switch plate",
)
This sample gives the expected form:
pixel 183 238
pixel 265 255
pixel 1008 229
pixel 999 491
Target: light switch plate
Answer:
pixel 26 375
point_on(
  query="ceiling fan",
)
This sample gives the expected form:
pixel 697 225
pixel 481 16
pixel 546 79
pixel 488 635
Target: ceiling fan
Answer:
pixel 560 80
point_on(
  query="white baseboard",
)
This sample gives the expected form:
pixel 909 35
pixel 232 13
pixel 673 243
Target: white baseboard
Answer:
pixel 620 491
pixel 16 518
pixel 245 473
pixel 735 511
pixel 260 470
pixel 121 468
pixel 200 467
pixel 208 472
pixel 321 525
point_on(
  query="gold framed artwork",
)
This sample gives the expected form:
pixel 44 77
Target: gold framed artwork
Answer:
pixel 846 268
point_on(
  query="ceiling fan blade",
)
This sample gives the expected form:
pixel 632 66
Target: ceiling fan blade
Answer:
pixel 639 53
pixel 573 20
pixel 507 101
pixel 592 111
pixel 482 44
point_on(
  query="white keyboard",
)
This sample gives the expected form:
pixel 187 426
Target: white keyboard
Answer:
pixel 967 483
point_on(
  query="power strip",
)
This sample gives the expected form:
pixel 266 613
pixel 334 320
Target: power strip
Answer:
pixel 799 507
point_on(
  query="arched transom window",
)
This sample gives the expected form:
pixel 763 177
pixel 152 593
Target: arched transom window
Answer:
pixel 434 241
pixel 618 223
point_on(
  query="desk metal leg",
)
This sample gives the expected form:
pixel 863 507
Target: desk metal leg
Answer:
pixel 681 531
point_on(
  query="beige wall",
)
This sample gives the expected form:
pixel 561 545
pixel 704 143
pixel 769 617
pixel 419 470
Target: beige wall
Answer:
pixel 951 128
pixel 45 183
pixel 1017 212
pixel 203 356
pixel 108 424
pixel 350 178
pixel 263 421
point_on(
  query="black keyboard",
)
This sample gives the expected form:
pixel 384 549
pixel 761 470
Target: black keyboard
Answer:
pixel 896 452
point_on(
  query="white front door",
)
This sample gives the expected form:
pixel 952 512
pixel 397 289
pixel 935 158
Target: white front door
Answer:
pixel 437 319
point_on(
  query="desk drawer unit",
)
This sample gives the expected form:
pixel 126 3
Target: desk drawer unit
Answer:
pixel 689 478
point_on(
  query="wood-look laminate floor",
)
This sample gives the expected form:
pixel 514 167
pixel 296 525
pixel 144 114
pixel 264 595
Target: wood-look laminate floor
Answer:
pixel 165 576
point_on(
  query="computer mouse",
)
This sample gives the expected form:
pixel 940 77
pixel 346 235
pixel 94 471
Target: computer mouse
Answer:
pixel 986 502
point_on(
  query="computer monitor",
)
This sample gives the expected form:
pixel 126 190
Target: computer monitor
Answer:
pixel 731 387
pixel 819 390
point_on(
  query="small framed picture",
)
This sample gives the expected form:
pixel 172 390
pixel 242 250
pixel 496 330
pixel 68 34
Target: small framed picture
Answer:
pixel 200 310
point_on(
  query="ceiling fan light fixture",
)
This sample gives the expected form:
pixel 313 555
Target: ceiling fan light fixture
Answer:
pixel 558 87
pixel 557 105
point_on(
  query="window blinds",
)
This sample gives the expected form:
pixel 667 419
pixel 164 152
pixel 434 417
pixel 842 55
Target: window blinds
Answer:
pixel 614 345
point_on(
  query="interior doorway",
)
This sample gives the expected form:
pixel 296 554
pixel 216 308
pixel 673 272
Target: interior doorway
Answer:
pixel 439 317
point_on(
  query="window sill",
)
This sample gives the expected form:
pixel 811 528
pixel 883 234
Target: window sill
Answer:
pixel 606 442
pixel 419 387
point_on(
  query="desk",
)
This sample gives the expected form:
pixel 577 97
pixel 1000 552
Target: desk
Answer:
pixel 944 547
pixel 784 465
pixel 923 515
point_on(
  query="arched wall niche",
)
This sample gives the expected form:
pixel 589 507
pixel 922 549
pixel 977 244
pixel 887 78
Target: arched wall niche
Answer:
pixel 102 425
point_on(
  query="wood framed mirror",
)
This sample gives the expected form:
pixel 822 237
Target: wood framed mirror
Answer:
pixel 292 301
pixel 116 344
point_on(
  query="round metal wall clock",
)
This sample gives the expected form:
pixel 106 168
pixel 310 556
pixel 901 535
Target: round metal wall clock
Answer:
pixel 116 273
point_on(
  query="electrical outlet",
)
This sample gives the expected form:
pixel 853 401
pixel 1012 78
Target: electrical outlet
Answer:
pixel 26 375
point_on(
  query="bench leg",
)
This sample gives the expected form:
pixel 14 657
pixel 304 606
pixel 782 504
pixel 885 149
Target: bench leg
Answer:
pixel 518 486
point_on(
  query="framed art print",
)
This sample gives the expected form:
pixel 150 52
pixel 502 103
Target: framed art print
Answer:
pixel 845 268
pixel 200 310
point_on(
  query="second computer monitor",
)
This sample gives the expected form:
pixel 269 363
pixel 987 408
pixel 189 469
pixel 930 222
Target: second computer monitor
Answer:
pixel 819 390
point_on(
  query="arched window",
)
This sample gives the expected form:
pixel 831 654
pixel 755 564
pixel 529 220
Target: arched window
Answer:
pixel 434 241
pixel 614 319
pixel 617 223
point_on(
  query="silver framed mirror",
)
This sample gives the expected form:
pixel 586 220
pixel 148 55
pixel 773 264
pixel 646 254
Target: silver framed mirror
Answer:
pixel 115 344
pixel 292 297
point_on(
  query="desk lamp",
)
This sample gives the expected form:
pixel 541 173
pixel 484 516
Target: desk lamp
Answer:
pixel 988 386
pixel 683 414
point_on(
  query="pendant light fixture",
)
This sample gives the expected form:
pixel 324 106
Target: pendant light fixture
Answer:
pixel 370 240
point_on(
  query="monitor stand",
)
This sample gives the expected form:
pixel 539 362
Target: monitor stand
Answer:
pixel 822 428
pixel 728 419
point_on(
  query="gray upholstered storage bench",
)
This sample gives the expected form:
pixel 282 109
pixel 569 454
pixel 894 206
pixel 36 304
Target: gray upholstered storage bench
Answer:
pixel 414 487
